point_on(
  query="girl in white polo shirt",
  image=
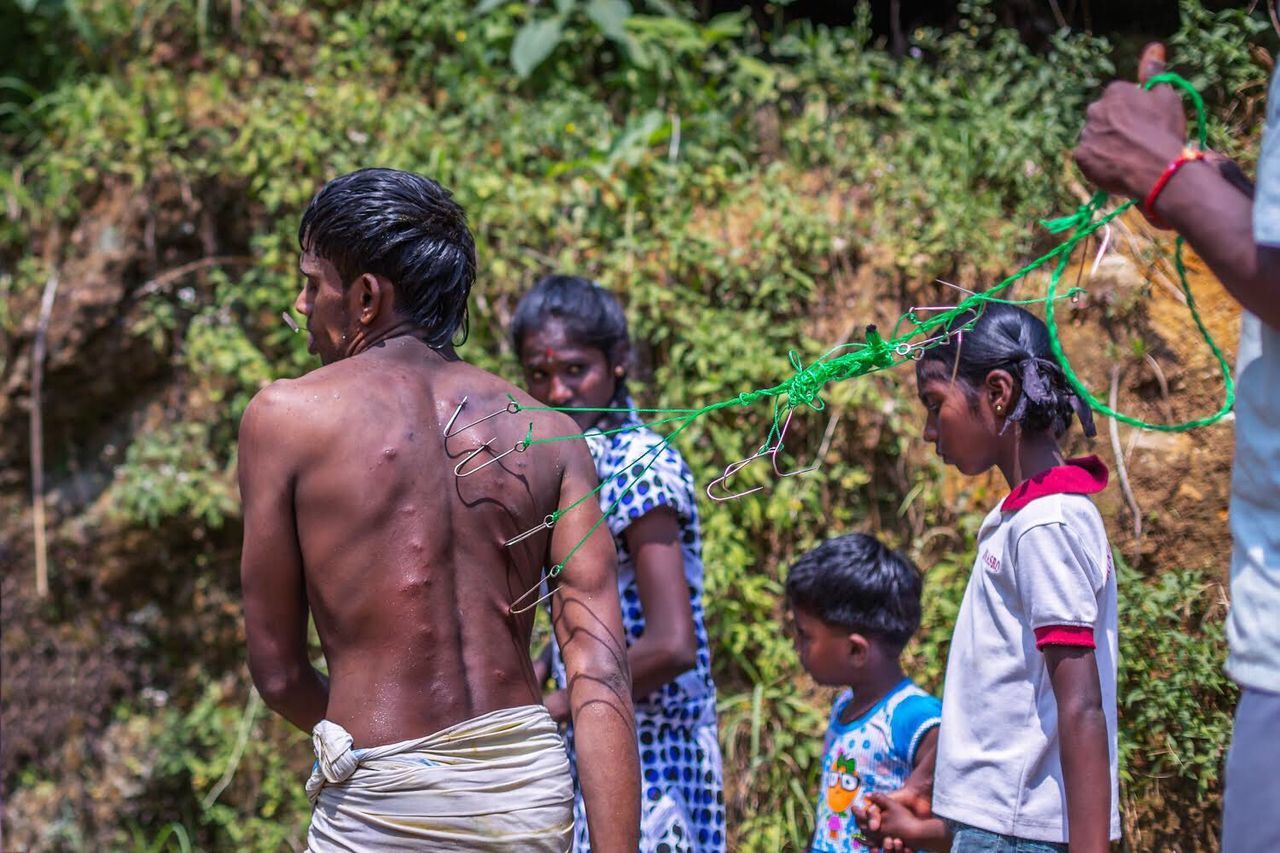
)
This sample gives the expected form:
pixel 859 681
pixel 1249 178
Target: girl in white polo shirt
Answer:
pixel 1027 747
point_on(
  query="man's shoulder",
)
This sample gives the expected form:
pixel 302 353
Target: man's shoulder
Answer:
pixel 292 405
pixel 276 399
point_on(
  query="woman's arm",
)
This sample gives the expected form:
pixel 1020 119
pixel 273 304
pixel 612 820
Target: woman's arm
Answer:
pixel 669 645
pixel 1082 738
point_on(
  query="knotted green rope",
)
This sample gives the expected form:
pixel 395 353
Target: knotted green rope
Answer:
pixel 805 386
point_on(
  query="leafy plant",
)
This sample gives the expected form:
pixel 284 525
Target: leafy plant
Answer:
pixel 747 193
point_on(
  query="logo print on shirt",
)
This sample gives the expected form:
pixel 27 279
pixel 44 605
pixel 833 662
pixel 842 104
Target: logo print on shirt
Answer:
pixel 989 560
pixel 842 786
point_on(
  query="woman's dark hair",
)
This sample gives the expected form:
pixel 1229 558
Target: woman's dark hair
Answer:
pixel 858 584
pixel 591 317
pixel 1006 337
pixel 402 226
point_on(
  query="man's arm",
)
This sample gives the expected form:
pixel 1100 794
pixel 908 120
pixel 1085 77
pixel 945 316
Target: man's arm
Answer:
pixel 668 646
pixel 1082 740
pixel 271 579
pixel 587 620
pixel 1130 136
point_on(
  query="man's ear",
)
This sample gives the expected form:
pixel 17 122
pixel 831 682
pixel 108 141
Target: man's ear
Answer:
pixel 374 295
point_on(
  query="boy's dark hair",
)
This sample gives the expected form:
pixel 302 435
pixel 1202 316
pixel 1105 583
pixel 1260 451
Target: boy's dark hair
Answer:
pixel 1006 337
pixel 858 584
pixel 402 226
pixel 590 314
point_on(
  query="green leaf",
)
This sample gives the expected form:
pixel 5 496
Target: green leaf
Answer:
pixel 533 44
pixel 564 7
pixel 664 8
pixel 487 6
pixel 610 16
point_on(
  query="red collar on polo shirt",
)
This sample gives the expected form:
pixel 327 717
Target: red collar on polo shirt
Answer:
pixel 1084 475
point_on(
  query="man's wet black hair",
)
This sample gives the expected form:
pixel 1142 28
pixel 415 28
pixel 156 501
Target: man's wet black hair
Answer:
pixel 402 226
pixel 591 316
pixel 1006 337
pixel 857 584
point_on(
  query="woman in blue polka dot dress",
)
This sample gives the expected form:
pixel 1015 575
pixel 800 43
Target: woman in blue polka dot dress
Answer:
pixel 571 337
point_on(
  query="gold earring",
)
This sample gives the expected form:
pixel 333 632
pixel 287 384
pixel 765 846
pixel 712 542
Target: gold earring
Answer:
pixel 619 371
pixel 999 409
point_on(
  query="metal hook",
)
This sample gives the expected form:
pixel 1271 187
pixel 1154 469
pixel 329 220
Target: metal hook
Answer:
pixel 546 524
pixel 956 286
pixel 515 611
pixel 520 447
pixel 773 454
pixel 731 469
pixel 1102 250
pixel 510 409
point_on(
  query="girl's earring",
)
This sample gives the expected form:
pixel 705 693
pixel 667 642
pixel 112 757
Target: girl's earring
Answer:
pixel 999 409
pixel 619 371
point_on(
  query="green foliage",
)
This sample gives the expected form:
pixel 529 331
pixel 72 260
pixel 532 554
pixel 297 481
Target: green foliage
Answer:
pixel 171 473
pixel 234 751
pixel 740 190
pixel 1175 698
pixel 1222 58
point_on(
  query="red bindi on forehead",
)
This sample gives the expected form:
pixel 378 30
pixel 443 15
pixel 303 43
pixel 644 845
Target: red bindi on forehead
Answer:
pixel 550 354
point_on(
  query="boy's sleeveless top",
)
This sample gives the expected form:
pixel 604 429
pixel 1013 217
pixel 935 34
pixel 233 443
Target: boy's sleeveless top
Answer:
pixel 682 786
pixel 1043 576
pixel 875 752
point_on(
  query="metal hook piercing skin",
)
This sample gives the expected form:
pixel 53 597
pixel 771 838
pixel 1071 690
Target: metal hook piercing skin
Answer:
pixel 520 447
pixel 547 524
pixel 514 611
pixel 510 409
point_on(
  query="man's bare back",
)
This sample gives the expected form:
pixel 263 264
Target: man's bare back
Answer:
pixel 353 513
pixel 406 570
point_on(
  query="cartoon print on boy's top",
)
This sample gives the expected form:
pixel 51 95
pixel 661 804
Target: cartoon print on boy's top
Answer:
pixel 843 790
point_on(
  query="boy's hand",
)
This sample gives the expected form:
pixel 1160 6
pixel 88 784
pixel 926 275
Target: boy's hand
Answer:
pixel 901 821
pixel 889 820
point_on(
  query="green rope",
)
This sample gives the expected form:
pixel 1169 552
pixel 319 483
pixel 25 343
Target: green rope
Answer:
pixel 805 386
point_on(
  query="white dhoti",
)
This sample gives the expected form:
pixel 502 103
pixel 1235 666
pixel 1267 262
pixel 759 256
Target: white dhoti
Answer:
pixel 497 782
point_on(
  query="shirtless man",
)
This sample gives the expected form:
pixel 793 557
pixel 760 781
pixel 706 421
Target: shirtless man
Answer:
pixel 353 512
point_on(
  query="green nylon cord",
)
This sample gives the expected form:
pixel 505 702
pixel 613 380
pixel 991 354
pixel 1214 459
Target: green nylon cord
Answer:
pixel 805 386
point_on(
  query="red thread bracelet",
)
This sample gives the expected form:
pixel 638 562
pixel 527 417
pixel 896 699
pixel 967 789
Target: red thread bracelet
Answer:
pixel 1188 155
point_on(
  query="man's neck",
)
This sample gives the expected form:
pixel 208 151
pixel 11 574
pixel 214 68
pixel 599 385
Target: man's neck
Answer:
pixel 365 340
pixel 876 684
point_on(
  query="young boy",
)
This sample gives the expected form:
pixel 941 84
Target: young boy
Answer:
pixel 855 603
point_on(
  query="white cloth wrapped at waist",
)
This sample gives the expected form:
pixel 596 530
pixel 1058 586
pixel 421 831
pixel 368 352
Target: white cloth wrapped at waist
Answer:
pixel 499 781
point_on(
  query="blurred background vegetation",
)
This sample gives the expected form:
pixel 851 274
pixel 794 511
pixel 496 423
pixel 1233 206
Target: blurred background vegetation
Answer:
pixel 751 180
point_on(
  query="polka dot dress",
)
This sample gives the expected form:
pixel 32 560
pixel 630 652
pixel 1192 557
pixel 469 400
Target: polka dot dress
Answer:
pixel 682 783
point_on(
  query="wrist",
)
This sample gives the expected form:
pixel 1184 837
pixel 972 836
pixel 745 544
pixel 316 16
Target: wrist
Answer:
pixel 1149 163
pixel 1170 172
